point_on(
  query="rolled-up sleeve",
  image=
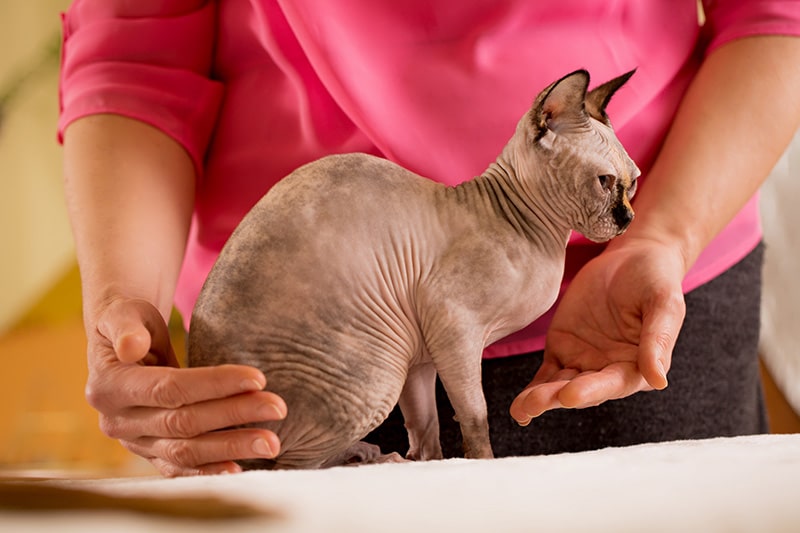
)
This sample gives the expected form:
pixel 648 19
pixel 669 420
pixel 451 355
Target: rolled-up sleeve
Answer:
pixel 727 20
pixel 149 60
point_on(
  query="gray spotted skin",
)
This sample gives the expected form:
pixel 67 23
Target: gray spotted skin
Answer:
pixel 354 282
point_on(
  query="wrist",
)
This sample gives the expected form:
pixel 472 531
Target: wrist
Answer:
pixel 685 248
pixel 662 221
pixel 98 297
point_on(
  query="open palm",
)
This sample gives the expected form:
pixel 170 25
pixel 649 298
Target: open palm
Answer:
pixel 613 332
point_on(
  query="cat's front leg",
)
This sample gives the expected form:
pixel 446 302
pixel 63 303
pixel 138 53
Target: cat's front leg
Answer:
pixel 418 404
pixel 461 377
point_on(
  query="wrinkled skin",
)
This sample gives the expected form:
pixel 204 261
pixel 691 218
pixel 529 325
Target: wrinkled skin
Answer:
pixel 354 282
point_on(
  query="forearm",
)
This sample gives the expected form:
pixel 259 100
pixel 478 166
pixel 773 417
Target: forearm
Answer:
pixel 130 192
pixel 736 119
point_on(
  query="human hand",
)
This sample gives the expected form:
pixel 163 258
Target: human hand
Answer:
pixel 613 332
pixel 168 415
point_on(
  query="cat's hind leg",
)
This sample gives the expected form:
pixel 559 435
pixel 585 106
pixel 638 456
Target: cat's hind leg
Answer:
pixel 361 453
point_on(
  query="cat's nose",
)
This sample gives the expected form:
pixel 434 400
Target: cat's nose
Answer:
pixel 623 216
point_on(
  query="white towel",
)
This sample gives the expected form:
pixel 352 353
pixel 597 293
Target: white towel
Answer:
pixel 724 484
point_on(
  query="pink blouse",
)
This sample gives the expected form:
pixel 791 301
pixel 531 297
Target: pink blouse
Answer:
pixel 255 88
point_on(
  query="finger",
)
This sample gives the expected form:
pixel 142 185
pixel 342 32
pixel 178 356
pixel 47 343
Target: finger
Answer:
pixel 173 387
pixel 167 469
pixel 165 387
pixel 547 372
pixel 535 400
pixel 199 418
pixel 660 329
pixel 591 388
pixel 129 338
pixel 135 329
pixel 211 448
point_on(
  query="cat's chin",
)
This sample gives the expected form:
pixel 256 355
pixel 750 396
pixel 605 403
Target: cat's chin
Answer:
pixel 602 236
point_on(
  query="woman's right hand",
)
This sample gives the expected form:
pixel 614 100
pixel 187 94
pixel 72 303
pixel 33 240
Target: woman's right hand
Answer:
pixel 174 417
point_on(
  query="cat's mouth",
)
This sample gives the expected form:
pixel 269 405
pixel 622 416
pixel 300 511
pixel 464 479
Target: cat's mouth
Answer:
pixel 608 225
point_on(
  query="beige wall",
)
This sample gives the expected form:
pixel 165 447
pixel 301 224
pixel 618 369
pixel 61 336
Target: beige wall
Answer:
pixel 780 342
pixel 35 241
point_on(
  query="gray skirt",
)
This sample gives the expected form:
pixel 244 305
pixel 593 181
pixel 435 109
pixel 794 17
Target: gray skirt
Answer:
pixel 714 386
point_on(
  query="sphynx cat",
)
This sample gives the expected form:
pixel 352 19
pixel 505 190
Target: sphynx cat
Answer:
pixel 353 282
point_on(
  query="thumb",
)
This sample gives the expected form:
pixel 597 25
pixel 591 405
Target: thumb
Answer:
pixel 659 335
pixel 138 333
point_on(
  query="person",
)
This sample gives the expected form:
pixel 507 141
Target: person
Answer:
pixel 177 116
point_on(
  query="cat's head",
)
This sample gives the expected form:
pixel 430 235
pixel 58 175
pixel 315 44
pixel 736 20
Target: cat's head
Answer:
pixel 592 177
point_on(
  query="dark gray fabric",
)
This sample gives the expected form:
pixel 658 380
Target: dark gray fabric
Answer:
pixel 714 386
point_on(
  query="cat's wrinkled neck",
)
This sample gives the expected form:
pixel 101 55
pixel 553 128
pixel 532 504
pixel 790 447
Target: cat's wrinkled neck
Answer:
pixel 525 201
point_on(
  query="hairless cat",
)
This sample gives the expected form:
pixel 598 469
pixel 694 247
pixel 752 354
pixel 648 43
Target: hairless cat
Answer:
pixel 353 282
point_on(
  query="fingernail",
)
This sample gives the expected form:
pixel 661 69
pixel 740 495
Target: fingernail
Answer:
pixel 269 411
pixel 662 371
pixel 261 447
pixel 251 384
pixel 524 423
pixel 279 411
pixel 233 469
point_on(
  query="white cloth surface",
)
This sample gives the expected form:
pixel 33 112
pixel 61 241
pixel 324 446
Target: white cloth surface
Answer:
pixel 780 309
pixel 724 484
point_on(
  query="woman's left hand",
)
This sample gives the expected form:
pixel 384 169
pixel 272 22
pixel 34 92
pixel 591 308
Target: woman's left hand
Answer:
pixel 613 332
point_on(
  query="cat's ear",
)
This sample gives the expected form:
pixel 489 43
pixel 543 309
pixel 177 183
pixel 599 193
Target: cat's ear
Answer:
pixel 561 105
pixel 598 98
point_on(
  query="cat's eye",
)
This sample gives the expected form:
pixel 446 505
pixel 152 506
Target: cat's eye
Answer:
pixel 606 181
pixel 632 188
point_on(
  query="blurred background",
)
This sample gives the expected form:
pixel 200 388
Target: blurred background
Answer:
pixel 46 427
pixel 45 423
